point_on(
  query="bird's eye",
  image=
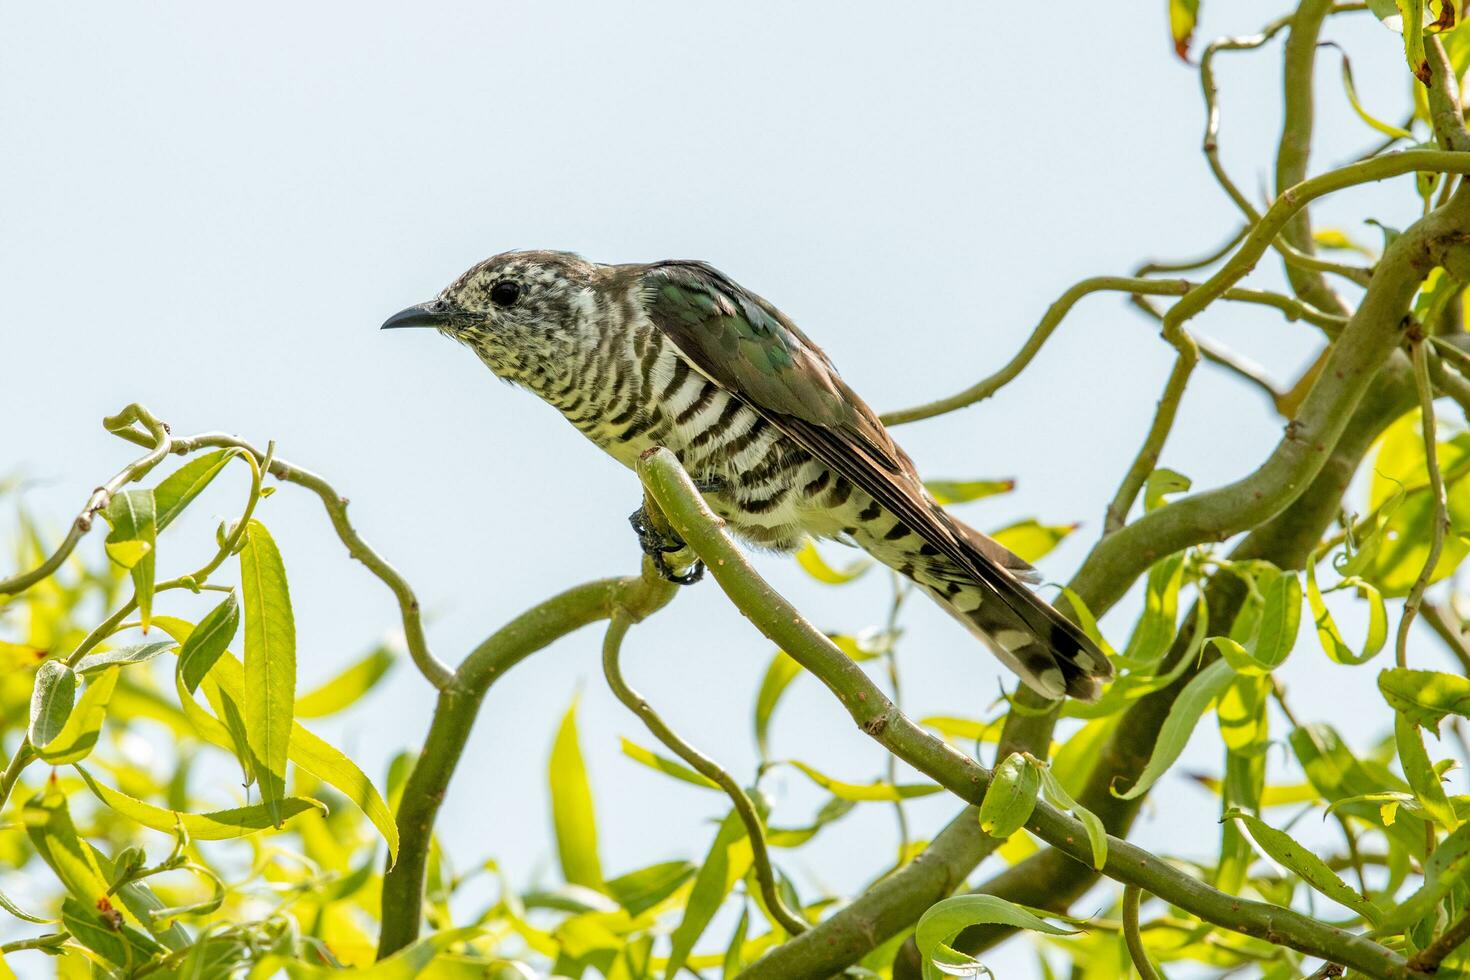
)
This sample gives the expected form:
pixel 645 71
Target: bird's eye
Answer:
pixel 505 293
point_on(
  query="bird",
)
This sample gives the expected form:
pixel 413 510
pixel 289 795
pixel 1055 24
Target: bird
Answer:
pixel 677 354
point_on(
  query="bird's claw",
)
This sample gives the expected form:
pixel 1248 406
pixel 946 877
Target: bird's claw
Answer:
pixel 656 544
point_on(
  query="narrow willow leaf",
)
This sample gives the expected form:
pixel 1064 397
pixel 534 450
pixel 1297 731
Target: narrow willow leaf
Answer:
pixel 1339 776
pixel 270 661
pixel 665 765
pixel 963 730
pixel 734 960
pixel 9 906
pixel 132 543
pixel 225 685
pixel 98 929
pixel 78 736
pixel 346 688
pixel 219 825
pixel 1183 716
pixel 1328 634
pixel 1446 868
pixel 1305 864
pixel 1421 774
pixel 1032 540
pixel 1425 696
pixel 572 812
pixel 1010 797
pixel 1160 484
pixel 137 653
pixel 409 963
pixel 52 696
pixel 781 672
pixel 644 889
pixel 867 792
pixel 49 825
pixel 1373 122
pixel 1057 796
pixel 1158 622
pixel 1241 713
pixel 946 492
pixel 1182 17
pixel 724 865
pixel 208 641
pixel 945 920
pixel 833 809
pixel 812 562
pixel 180 487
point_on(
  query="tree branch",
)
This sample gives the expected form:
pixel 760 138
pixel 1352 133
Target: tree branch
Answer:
pixel 877 717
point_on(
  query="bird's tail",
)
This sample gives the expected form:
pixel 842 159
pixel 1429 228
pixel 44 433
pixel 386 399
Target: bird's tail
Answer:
pixel 987 594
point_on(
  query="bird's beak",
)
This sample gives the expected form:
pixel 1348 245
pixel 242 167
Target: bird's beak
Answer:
pixel 415 316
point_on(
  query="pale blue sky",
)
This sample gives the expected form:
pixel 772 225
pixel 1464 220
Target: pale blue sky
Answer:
pixel 211 210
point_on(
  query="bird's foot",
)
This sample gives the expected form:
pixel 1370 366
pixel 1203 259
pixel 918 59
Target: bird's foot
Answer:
pixel 658 542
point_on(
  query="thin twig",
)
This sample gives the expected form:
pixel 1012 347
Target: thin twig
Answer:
pixel 1158 433
pixel 755 831
pixel 1428 959
pixel 1450 629
pixel 1293 309
pixel 1136 950
pixel 335 504
pixel 1441 519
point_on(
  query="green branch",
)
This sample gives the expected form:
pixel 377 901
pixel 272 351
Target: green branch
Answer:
pixel 1134 285
pixel 454 716
pixel 754 828
pixel 779 621
pixel 1441 517
pixel 1136 950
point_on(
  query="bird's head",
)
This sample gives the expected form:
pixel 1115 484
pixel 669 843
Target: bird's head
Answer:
pixel 509 305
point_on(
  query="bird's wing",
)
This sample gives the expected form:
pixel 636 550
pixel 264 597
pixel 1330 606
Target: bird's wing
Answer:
pixel 749 348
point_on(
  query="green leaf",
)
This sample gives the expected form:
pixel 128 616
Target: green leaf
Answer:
pixel 572 812
pixel 52 697
pixel 132 543
pixel 1158 622
pixel 812 562
pixel 138 653
pixel 724 865
pixel 219 825
pixel 963 730
pixel 9 906
pixel 665 765
pixel 641 890
pixel 225 684
pixel 1338 776
pixel 1010 797
pixel 1183 716
pixel 833 809
pixel 208 641
pixel 1160 484
pixel 1421 774
pixel 1443 870
pixel 49 825
pixel 270 661
pixel 1374 122
pixel 946 492
pixel 1057 796
pixel 945 920
pixel 78 736
pixel 734 960
pixel 1274 621
pixel 180 487
pixel 1285 851
pixel 866 792
pixel 408 963
pixel 1031 540
pixel 1328 634
pixel 1425 696
pixel 101 930
pixel 781 672
pixel 347 687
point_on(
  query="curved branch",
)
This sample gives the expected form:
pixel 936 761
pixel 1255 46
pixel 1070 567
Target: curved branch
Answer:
pixel 876 715
pixel 454 716
pixel 755 830
pixel 1136 950
pixel 1135 285
pixel 432 668
pixel 156 438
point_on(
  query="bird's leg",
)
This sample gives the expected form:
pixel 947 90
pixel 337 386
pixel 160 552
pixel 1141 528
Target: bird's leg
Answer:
pixel 658 540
